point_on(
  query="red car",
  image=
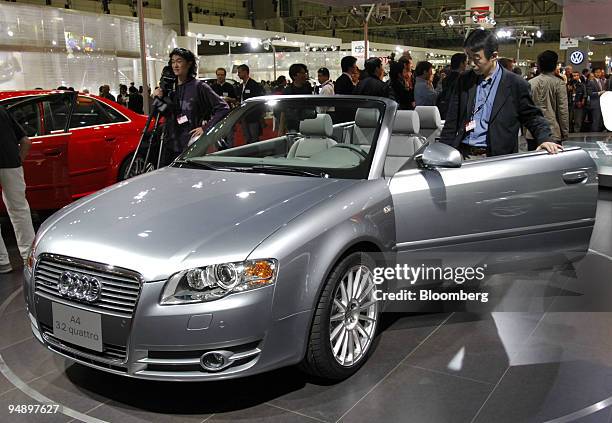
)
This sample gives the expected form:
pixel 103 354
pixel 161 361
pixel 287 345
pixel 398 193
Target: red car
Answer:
pixel 80 143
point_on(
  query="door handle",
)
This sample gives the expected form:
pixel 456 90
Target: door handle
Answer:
pixel 52 152
pixel 575 177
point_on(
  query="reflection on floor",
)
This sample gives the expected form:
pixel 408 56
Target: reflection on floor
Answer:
pixel 530 366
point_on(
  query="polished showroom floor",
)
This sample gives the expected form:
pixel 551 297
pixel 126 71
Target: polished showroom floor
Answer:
pixel 551 362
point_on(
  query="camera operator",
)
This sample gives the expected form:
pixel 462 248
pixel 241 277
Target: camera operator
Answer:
pixel 195 106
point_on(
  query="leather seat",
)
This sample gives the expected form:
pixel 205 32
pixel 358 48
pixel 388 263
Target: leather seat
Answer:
pixel 431 122
pixel 366 123
pixel 405 141
pixel 316 137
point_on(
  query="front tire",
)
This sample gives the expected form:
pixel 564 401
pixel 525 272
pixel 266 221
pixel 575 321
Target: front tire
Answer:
pixel 345 321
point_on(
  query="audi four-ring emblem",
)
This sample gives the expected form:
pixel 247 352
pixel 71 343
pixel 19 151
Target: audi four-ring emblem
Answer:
pixel 79 287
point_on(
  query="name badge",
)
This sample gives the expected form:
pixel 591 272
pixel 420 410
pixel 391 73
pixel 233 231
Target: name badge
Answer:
pixel 182 119
pixel 247 91
pixel 225 94
pixel 470 126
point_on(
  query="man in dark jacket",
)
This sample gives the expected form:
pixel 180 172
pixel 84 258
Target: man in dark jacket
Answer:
pixel 290 119
pixel 344 83
pixel 577 101
pixel 222 88
pixel 135 100
pixel 372 84
pixel 251 125
pixel 490 104
pixel 458 65
pixel 298 72
pixel 595 89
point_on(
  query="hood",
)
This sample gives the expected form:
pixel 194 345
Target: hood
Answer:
pixel 175 219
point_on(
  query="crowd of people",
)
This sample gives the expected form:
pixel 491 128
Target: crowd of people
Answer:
pixel 422 85
pixel 409 84
pixel 128 97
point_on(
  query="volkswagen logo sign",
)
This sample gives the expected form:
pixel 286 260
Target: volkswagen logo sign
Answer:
pixel 577 57
pixel 79 287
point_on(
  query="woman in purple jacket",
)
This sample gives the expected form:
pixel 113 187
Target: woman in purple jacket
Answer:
pixel 195 105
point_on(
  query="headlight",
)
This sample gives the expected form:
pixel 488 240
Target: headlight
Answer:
pixel 216 281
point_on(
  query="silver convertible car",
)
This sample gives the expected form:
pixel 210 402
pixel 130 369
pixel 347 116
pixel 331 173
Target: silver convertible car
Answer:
pixel 235 261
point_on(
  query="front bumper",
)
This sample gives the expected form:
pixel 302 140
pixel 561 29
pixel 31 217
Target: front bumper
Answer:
pixel 167 342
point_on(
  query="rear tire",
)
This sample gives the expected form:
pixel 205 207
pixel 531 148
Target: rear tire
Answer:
pixel 138 168
pixel 345 321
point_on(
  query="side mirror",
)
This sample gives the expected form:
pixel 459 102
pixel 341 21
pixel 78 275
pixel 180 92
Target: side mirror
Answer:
pixel 437 154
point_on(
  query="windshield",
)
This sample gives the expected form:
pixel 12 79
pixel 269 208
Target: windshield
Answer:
pixel 314 136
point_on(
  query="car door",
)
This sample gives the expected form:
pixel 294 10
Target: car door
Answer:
pixel 90 147
pixel 509 209
pixel 46 166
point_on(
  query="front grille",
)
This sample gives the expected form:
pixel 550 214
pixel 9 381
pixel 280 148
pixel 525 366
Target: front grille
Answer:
pixel 110 353
pixel 120 288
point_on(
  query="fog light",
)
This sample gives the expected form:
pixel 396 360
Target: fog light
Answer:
pixel 215 360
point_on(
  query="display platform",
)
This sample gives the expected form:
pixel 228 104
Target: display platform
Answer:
pixel 599 147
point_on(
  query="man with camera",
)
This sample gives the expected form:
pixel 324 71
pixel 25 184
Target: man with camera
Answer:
pixel 194 105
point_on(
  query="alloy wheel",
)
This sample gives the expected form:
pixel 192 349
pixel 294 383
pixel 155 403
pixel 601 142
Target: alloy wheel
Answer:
pixel 354 316
pixel 139 167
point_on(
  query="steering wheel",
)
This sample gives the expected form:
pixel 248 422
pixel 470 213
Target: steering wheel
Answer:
pixel 354 149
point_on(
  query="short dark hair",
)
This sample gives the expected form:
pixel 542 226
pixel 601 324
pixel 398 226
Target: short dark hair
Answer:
pixel 596 69
pixel 223 69
pixel 482 39
pixel 188 56
pixel 457 60
pixel 517 70
pixel 422 68
pixel 405 58
pixel 347 62
pixel 506 63
pixel 295 68
pixel 323 71
pixel 244 67
pixel 396 69
pixel 371 65
pixel 547 61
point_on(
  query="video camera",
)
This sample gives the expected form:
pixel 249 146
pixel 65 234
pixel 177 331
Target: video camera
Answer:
pixel 167 80
pixel 166 83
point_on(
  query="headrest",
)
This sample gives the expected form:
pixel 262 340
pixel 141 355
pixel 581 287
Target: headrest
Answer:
pixel 406 122
pixel 321 126
pixel 366 118
pixel 429 117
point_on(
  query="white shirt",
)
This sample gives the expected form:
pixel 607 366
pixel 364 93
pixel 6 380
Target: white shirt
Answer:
pixel 326 88
pixel 243 88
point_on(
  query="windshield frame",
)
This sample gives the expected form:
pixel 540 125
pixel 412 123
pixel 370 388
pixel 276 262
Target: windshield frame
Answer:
pixel 370 168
